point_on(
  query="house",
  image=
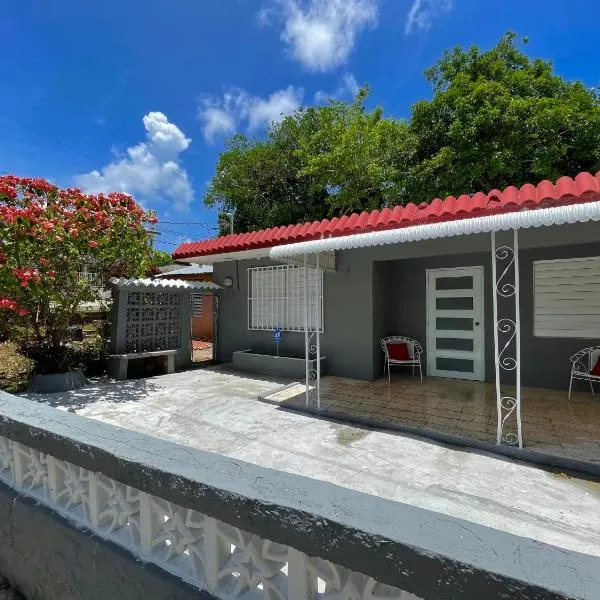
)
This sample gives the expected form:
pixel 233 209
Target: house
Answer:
pixel 502 287
pixel 202 304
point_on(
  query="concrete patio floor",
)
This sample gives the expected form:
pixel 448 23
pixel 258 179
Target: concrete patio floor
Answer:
pixel 215 409
pixel 552 425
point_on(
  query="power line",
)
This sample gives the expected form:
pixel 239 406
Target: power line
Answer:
pixel 171 231
pixel 187 223
pixel 35 130
pixel 40 96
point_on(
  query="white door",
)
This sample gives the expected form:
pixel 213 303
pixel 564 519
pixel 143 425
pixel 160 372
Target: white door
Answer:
pixel 455 343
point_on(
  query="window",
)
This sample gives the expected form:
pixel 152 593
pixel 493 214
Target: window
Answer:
pixel 567 298
pixel 276 298
pixel 196 300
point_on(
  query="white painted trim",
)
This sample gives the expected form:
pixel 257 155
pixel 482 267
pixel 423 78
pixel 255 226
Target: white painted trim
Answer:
pixel 455 313
pixel 461 334
pixel 518 334
pixel 524 219
pixel 453 293
pixel 477 334
pixel 468 354
pixel 210 259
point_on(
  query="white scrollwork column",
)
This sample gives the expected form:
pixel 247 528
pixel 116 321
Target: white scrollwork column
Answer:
pixel 507 339
pixel 312 326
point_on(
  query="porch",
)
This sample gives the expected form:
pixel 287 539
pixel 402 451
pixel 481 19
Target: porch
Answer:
pixel 454 409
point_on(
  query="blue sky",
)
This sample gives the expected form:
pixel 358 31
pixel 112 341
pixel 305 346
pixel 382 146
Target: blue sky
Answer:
pixel 139 95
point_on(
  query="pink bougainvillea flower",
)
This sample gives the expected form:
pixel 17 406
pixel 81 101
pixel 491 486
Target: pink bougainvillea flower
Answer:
pixel 93 244
pixel 44 262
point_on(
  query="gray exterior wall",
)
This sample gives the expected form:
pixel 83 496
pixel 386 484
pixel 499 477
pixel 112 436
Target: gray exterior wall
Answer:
pixel 348 317
pixel 381 290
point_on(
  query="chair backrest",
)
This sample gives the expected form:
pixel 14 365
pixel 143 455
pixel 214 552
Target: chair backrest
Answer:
pixel 586 358
pixel 414 348
pixel 594 356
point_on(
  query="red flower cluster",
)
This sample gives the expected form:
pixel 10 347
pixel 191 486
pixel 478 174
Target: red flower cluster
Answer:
pixel 25 276
pixel 8 304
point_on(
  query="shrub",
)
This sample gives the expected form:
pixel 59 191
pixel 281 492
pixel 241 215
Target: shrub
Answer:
pixel 15 369
pixel 47 235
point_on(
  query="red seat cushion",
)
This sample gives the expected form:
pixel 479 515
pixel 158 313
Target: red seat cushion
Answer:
pixel 398 351
pixel 596 369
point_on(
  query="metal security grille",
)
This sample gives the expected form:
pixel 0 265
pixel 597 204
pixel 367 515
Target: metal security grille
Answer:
pixel 153 321
pixel 276 298
pixel 196 301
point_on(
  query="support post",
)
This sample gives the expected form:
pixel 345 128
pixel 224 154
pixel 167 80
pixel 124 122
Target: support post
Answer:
pixel 518 334
pixel 507 339
pixel 306 340
pixel 318 327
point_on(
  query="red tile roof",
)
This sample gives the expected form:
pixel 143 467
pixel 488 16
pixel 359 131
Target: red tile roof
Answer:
pixel 583 188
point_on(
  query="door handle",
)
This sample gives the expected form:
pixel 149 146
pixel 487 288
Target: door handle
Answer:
pixel 476 323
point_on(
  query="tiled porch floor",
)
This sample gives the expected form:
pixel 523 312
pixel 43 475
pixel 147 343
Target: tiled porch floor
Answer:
pixel 551 423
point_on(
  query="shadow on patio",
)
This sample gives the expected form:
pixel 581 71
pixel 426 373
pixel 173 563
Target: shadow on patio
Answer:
pixel 552 424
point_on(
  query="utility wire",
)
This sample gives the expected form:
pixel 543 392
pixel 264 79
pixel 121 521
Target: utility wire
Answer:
pixel 29 90
pixel 39 132
pixel 187 223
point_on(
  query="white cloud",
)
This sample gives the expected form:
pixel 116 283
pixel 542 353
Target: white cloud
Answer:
pixel 150 169
pixel 237 108
pixel 347 88
pixel 423 12
pixel 321 33
pixel 217 121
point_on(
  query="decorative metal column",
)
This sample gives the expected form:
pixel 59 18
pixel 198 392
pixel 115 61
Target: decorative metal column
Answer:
pixel 507 339
pixel 312 338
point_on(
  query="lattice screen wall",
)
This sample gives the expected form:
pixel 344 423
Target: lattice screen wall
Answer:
pixel 153 321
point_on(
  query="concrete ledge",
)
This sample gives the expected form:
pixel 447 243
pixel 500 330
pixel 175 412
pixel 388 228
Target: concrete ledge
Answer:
pixel 278 366
pixel 432 555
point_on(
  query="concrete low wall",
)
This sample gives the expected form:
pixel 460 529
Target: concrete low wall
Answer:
pixel 278 366
pixel 48 558
pixel 136 493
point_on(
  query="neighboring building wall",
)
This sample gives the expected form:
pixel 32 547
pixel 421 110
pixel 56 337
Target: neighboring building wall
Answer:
pixel 203 326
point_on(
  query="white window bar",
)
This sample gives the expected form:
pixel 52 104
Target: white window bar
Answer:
pixel 510 332
pixel 276 298
pixel 317 327
pixel 306 337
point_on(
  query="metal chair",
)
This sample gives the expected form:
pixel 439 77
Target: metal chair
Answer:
pixel 582 365
pixel 415 350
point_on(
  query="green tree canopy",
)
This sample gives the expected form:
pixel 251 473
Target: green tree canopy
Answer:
pixel 496 118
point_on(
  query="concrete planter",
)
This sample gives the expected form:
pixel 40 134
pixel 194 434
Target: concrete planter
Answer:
pixel 58 382
pixel 279 366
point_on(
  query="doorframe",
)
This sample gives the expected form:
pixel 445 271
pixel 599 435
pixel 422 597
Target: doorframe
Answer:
pixel 478 273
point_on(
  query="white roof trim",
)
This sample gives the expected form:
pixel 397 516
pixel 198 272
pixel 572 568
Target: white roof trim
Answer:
pixel 162 284
pixel 228 256
pixel 558 215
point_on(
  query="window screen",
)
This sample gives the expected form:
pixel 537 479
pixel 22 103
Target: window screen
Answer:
pixel 276 298
pixel 567 298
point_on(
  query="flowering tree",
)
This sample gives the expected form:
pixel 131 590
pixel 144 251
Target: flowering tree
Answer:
pixel 46 235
